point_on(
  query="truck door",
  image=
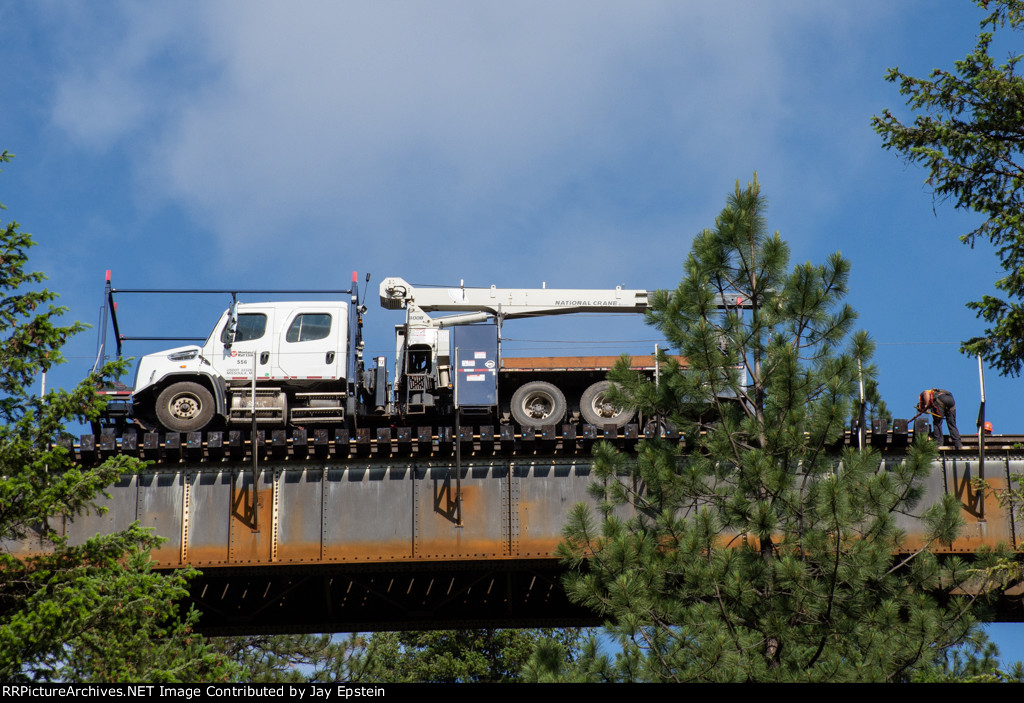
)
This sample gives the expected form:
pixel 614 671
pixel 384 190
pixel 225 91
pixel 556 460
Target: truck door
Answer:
pixel 312 344
pixel 253 344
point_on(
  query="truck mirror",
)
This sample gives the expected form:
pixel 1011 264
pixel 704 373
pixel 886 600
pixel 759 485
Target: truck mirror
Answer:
pixel 232 327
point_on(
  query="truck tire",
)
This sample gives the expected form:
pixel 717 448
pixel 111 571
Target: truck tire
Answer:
pixel 538 403
pixel 597 411
pixel 184 407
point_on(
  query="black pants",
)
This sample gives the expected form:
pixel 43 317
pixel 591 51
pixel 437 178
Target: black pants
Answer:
pixel 945 409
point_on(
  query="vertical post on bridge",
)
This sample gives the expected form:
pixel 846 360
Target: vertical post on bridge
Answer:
pixel 981 432
pixel 458 446
pixel 861 419
pixel 255 451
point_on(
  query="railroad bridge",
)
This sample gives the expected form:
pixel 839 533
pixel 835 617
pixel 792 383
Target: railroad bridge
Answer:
pixel 413 527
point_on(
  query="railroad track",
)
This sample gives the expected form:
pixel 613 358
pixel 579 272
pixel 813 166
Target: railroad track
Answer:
pixel 425 441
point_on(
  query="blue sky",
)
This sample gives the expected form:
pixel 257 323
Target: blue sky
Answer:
pixel 580 144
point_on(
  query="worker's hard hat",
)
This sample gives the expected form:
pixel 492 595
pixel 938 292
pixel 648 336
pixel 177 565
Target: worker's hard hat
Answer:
pixel 988 428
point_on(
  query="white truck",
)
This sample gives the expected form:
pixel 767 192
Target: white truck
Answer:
pixel 303 363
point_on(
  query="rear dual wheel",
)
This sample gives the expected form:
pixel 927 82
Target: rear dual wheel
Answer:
pixel 538 403
pixel 597 410
pixel 541 403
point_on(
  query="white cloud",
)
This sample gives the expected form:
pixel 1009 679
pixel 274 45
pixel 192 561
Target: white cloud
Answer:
pixel 435 127
pixel 115 80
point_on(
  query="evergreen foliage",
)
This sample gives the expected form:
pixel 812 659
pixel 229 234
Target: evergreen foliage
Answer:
pixel 90 612
pixel 969 133
pixel 441 656
pixel 300 658
pixel 455 656
pixel 976 662
pixel 748 553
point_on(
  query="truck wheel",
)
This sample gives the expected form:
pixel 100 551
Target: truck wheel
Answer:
pixel 184 407
pixel 538 403
pixel 596 410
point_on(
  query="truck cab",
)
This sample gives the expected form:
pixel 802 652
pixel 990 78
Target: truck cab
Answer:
pixel 295 354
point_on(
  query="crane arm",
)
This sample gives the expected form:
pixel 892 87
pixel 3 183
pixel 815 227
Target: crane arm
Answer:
pixel 396 293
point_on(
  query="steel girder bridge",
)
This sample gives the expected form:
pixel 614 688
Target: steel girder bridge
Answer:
pixel 415 527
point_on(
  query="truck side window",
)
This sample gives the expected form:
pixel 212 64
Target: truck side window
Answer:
pixel 250 326
pixel 309 326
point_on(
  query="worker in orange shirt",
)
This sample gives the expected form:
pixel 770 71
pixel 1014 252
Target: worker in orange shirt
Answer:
pixel 939 403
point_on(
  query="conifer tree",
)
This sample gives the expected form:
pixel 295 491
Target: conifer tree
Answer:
pixel 89 612
pixel 748 552
pixel 439 656
pixel 305 658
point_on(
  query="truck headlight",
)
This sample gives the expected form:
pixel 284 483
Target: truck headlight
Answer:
pixel 184 355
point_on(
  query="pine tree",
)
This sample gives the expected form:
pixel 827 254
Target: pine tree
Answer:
pixel 484 655
pixel 308 658
pixel 437 656
pixel 90 612
pixel 747 552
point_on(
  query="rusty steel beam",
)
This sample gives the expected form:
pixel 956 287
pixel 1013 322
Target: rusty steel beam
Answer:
pixel 319 531
pixel 373 510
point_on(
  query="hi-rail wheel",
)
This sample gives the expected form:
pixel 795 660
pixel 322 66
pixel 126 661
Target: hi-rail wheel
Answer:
pixel 658 427
pixel 596 410
pixel 184 407
pixel 538 403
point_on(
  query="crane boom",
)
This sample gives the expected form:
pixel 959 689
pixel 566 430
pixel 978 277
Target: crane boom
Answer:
pixel 396 294
pixel 508 303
